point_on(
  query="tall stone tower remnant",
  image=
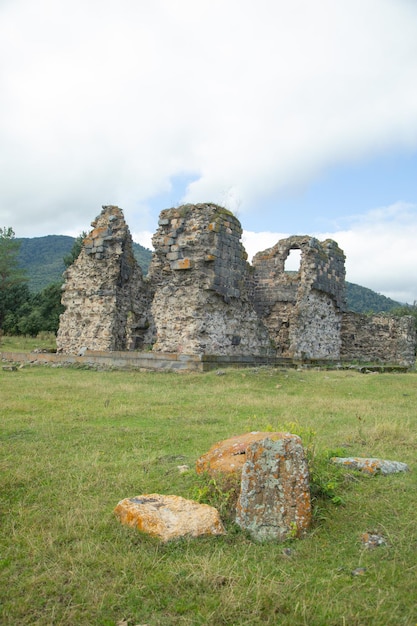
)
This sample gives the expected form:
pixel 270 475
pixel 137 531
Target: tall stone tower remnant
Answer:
pixel 202 302
pixel 104 293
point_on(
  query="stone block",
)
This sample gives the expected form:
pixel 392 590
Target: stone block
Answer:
pixel 274 501
pixel 229 456
pixel 182 264
pixel 371 466
pixel 169 517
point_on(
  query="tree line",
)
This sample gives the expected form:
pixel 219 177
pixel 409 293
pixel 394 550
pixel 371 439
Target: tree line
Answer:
pixel 23 312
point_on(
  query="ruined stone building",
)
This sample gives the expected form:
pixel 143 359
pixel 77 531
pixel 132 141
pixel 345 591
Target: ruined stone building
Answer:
pixel 202 297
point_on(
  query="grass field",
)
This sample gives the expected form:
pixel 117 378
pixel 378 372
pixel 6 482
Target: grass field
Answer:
pixel 75 442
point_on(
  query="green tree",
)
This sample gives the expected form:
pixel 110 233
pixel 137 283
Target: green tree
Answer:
pixel 10 272
pixel 75 250
pixel 48 304
pixel 407 309
pixel 12 277
pixel 12 300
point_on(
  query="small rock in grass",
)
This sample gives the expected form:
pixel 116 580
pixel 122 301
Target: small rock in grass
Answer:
pixel 169 517
pixel 372 540
pixel 287 552
pixel 359 571
pixel 371 466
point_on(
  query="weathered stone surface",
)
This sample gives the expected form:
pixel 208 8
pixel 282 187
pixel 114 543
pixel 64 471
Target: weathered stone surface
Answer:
pixel 372 540
pixel 371 466
pixel 105 295
pixel 202 302
pixel 378 338
pixel 169 517
pixel 229 456
pixel 302 310
pixel 201 296
pixel 274 501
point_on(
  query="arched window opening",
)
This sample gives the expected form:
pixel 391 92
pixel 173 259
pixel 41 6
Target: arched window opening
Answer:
pixel 293 261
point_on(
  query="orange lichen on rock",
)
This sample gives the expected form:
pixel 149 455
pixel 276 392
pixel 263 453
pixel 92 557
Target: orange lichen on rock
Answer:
pixel 182 264
pixel 169 517
pixel 229 456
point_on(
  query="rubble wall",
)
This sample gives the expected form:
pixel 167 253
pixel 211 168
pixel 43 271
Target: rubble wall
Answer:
pixel 199 271
pixel 201 297
pixel 105 296
pixel 315 333
pixel 378 338
pixel 302 310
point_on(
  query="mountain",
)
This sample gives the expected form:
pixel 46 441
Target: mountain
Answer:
pixel 42 258
pixel 363 300
pixel 143 256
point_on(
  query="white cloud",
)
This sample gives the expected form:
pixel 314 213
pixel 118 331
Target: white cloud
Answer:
pixel 258 242
pixel 380 249
pixel 144 237
pixel 105 102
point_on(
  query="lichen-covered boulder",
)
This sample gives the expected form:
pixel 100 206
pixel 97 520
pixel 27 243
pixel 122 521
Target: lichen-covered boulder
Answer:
pixel 228 456
pixel 274 501
pixel 169 517
pixel 371 466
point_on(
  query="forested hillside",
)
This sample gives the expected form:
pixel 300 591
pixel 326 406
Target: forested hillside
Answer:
pixel 363 300
pixel 42 258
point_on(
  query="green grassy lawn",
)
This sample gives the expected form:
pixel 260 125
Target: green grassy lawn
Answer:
pixel 75 442
pixel 25 343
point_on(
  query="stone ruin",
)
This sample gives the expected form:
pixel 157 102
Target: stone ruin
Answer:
pixel 202 297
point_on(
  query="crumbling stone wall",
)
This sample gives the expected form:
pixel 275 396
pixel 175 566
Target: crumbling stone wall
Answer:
pixel 105 295
pixel 302 310
pixel 378 338
pixel 201 297
pixel 199 272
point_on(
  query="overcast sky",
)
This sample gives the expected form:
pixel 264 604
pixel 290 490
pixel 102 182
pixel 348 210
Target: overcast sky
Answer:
pixel 299 116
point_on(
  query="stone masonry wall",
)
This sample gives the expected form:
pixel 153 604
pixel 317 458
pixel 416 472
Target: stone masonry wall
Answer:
pixel 378 338
pixel 302 310
pixel 315 333
pixel 201 297
pixel 200 275
pixel 106 298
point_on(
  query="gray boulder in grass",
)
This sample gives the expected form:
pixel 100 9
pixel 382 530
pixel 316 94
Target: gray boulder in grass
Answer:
pixel 371 466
